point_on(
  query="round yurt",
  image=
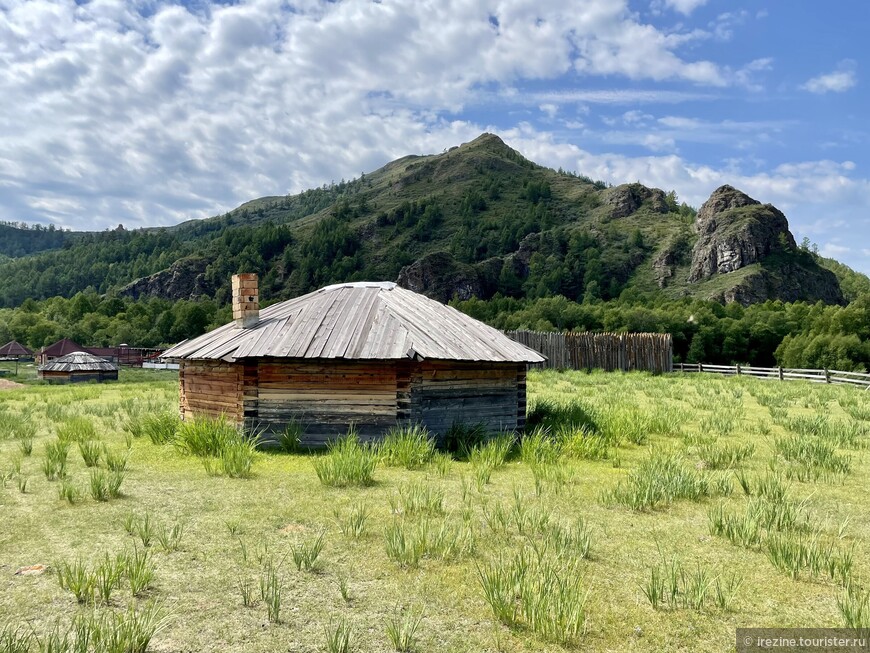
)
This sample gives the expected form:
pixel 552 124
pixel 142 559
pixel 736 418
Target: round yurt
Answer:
pixel 78 367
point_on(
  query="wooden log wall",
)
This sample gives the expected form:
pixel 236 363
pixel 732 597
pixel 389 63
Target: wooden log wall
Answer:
pixel 326 397
pixel 211 388
pixel 79 377
pixel 451 392
pixel 652 352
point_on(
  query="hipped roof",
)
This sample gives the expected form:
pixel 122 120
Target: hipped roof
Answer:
pixel 61 347
pixel 14 349
pixel 79 361
pixel 363 320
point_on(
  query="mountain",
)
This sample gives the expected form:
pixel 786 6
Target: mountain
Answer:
pixel 472 221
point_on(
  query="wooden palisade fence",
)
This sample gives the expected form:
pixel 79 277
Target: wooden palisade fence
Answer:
pixel 781 373
pixel 652 352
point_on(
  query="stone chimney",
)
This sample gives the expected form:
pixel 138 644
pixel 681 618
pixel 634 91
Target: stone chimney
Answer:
pixel 246 300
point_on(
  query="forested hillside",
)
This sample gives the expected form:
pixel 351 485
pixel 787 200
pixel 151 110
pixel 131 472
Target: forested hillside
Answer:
pixel 506 239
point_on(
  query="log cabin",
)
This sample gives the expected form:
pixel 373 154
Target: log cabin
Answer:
pixel 367 354
pixel 78 367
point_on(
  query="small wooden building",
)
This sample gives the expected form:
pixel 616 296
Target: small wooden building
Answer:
pixel 15 351
pixel 78 367
pixel 371 355
pixel 56 350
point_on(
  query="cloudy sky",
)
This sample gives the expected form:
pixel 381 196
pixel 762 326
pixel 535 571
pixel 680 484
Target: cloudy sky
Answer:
pixel 151 112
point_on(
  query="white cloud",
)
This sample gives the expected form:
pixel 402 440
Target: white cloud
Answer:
pixel 111 115
pixel 838 81
pixel 832 250
pixel 685 6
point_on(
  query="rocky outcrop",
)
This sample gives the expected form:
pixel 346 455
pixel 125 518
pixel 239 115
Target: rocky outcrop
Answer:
pixel 791 282
pixel 734 231
pixel 184 279
pixel 628 198
pixel 442 277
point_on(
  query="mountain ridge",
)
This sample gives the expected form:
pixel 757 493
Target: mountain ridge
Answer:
pixel 475 220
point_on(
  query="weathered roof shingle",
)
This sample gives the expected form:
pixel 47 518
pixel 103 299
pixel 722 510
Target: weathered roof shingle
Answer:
pixel 363 320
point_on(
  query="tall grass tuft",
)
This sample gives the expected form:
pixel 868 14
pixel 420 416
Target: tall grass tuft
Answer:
pixel 348 462
pixel 116 461
pixel 553 415
pixel 139 571
pixel 205 437
pixel 658 481
pixel 338 634
pixel 90 451
pixel 170 538
pixel 411 447
pixel 15 640
pixel 544 594
pixel 54 464
pixel 290 437
pixel 68 491
pixel 238 456
pixel 270 592
pixel 671 586
pixel 105 485
pixel 402 628
pixel 418 498
pixel 160 427
pixel 305 553
pixel 76 578
pixel 727 456
pixel 76 429
pixel 461 439
pixel 854 605
pixel 353 525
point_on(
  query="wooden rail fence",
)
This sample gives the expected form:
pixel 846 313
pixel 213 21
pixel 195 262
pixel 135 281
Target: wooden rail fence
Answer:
pixel 652 352
pixel 781 373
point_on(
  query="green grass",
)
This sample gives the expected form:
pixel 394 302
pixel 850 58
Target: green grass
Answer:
pixel 530 561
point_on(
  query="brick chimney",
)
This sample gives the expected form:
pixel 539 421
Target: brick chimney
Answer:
pixel 246 300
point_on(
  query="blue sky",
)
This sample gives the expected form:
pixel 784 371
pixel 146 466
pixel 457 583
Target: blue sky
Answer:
pixel 149 113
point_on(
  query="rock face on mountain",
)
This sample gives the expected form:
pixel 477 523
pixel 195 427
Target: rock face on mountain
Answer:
pixel 790 282
pixel 442 277
pixel 628 198
pixel 734 231
pixel 184 279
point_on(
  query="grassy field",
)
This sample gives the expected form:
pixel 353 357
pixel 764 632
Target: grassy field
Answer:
pixel 644 513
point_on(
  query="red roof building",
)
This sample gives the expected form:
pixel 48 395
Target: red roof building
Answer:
pixel 14 350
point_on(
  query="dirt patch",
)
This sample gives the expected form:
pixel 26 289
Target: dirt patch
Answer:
pixel 6 384
pixel 289 529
